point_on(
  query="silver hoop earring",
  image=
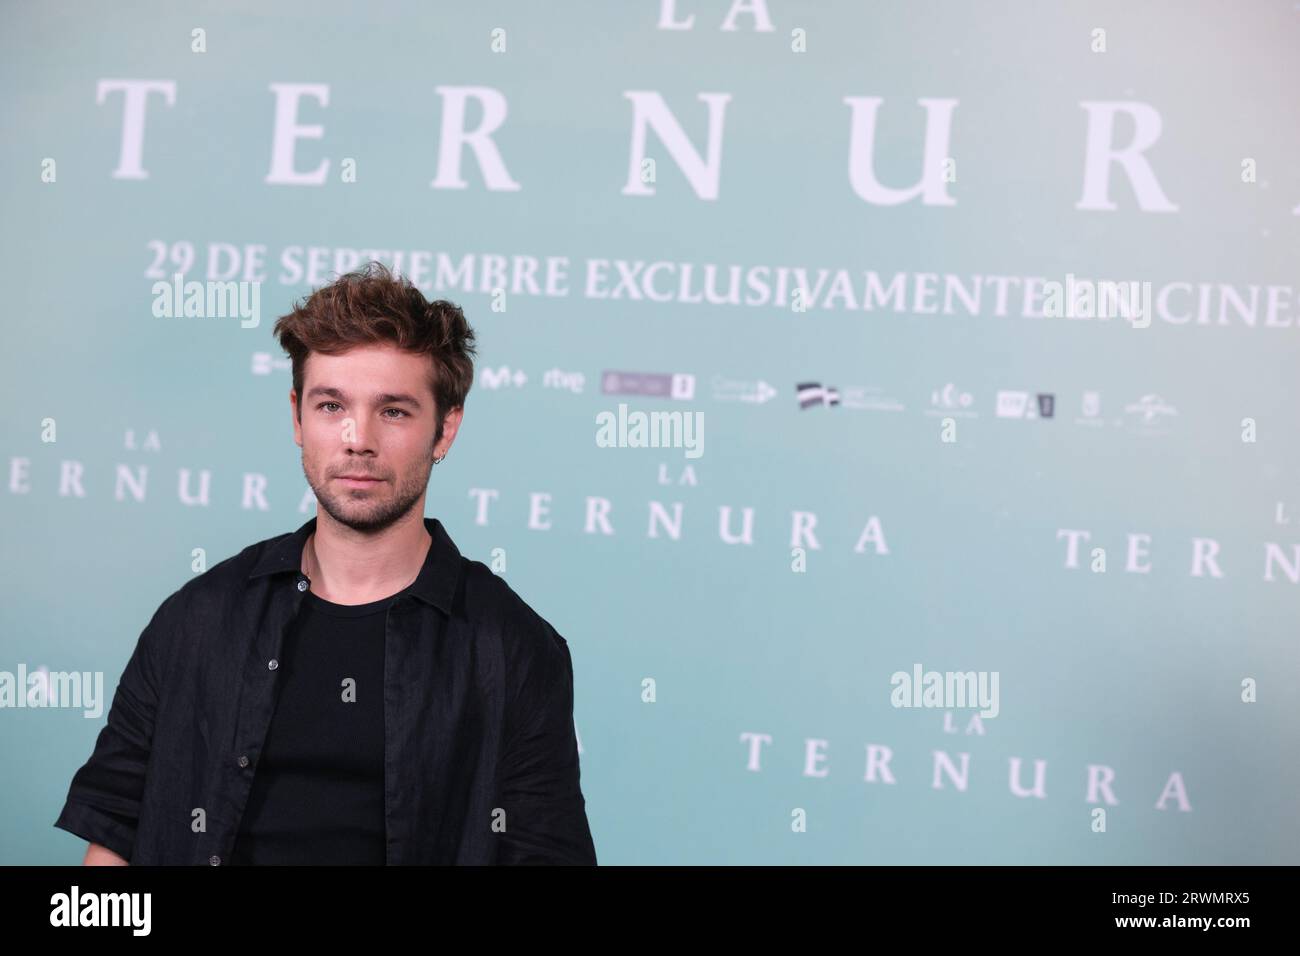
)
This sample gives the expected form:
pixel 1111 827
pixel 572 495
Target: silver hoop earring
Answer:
pixel 438 458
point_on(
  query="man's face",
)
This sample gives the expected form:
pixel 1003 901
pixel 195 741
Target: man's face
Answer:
pixel 368 414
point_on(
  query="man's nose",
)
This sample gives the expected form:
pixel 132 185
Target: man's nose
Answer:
pixel 356 435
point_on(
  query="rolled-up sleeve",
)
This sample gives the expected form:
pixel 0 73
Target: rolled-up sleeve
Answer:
pixel 104 801
pixel 545 817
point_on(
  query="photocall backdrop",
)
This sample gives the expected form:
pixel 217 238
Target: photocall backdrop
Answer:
pixel 826 234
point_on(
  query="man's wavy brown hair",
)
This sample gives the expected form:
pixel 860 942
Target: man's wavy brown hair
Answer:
pixel 374 305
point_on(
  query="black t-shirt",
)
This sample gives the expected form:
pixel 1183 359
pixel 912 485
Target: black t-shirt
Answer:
pixel 318 789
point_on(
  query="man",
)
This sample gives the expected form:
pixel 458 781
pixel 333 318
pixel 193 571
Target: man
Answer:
pixel 355 692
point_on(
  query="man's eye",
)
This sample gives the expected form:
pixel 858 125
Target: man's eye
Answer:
pixel 323 404
pixel 398 410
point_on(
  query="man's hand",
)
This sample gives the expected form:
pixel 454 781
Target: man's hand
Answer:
pixel 97 855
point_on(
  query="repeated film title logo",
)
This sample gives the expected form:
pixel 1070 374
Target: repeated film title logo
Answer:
pixel 1119 144
pixel 950 691
pixel 1120 139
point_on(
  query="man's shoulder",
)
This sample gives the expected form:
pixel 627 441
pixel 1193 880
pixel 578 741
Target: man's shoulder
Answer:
pixel 228 578
pixel 536 656
pixel 491 601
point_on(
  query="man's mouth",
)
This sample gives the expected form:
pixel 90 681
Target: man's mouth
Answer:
pixel 359 481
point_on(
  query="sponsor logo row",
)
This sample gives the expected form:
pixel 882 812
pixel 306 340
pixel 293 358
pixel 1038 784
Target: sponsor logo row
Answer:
pixel 1149 412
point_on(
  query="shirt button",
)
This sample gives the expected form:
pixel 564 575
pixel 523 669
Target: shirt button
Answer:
pixel 272 664
pixel 214 860
pixel 243 760
pixel 302 585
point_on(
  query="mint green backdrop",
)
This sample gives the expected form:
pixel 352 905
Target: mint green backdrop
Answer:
pixel 684 644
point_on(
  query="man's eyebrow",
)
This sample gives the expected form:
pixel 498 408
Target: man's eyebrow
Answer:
pixel 381 398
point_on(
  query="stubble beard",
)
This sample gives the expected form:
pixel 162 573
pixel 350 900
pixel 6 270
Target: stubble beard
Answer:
pixel 368 511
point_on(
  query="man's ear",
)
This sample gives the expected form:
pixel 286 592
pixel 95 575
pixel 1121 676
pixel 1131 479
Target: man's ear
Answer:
pixel 450 425
pixel 296 415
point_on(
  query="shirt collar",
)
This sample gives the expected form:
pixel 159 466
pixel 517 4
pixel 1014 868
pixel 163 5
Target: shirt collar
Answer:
pixel 435 585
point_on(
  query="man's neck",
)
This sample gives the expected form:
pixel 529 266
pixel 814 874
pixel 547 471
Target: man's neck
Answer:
pixel 352 567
